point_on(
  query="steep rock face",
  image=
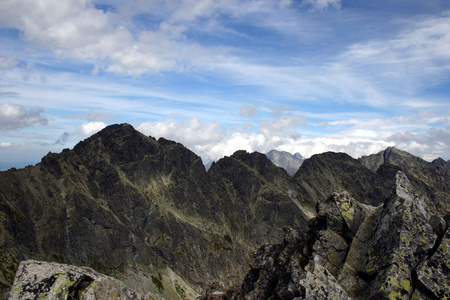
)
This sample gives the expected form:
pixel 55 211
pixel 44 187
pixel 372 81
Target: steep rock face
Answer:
pixel 402 239
pixel 90 206
pixel 122 203
pixel 355 251
pixel 37 280
pixel 434 273
pixel 430 178
pixel 250 182
pixel 289 162
pixel 326 173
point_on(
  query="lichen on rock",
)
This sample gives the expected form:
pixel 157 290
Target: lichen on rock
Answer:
pixel 48 280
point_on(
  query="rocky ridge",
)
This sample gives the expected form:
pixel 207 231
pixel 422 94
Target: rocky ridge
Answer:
pixel 146 212
pixel 356 251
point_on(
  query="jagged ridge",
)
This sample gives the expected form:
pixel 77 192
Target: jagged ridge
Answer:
pixel 146 211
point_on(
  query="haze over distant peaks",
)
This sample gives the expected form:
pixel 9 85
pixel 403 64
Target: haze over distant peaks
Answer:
pixel 289 162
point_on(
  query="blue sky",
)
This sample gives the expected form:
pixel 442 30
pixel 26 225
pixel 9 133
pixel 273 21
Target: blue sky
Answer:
pixel 303 76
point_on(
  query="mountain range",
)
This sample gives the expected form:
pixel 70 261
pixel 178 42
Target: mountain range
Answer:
pixel 147 213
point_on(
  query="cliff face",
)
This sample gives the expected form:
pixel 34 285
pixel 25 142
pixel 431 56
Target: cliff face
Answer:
pixel 326 173
pixel 147 212
pixel 431 179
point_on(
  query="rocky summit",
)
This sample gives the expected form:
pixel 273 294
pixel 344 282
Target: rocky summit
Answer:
pixel 128 216
pixel 289 162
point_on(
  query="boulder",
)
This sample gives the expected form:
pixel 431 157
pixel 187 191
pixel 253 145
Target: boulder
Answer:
pixel 48 280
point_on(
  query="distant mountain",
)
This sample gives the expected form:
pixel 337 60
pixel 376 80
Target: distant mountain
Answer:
pixel 208 165
pixel 289 162
pixel 147 213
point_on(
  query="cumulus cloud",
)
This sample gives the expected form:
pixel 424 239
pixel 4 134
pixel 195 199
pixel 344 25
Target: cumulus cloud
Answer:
pixel 430 144
pixel 355 137
pixel 92 127
pixel 212 141
pixel 124 42
pixel 191 132
pixel 5 144
pixel 14 116
pixel 78 29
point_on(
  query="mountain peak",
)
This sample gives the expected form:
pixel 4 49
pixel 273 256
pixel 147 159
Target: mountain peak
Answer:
pixel 289 162
pixel 121 141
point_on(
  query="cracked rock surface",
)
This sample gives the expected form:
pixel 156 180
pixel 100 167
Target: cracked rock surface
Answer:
pixel 38 280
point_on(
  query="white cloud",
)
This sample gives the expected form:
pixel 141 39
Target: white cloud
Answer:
pixel 203 139
pixel 89 128
pixel 429 144
pixel 5 144
pixel 114 39
pixel 14 116
pixel 191 132
pixel 124 46
pixel 355 137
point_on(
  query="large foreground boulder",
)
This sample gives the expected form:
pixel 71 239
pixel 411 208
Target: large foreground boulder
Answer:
pixel 46 280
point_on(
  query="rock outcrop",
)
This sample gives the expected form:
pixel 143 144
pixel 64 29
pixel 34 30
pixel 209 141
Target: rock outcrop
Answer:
pixel 48 280
pixel 432 179
pixel 326 173
pixel 356 251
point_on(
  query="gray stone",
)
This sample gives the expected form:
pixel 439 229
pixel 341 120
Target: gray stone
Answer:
pixel 45 280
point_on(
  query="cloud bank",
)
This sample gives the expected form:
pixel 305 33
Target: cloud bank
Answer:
pixel 357 138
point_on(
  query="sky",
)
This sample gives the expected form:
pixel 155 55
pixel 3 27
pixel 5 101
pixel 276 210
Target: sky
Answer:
pixel 304 76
